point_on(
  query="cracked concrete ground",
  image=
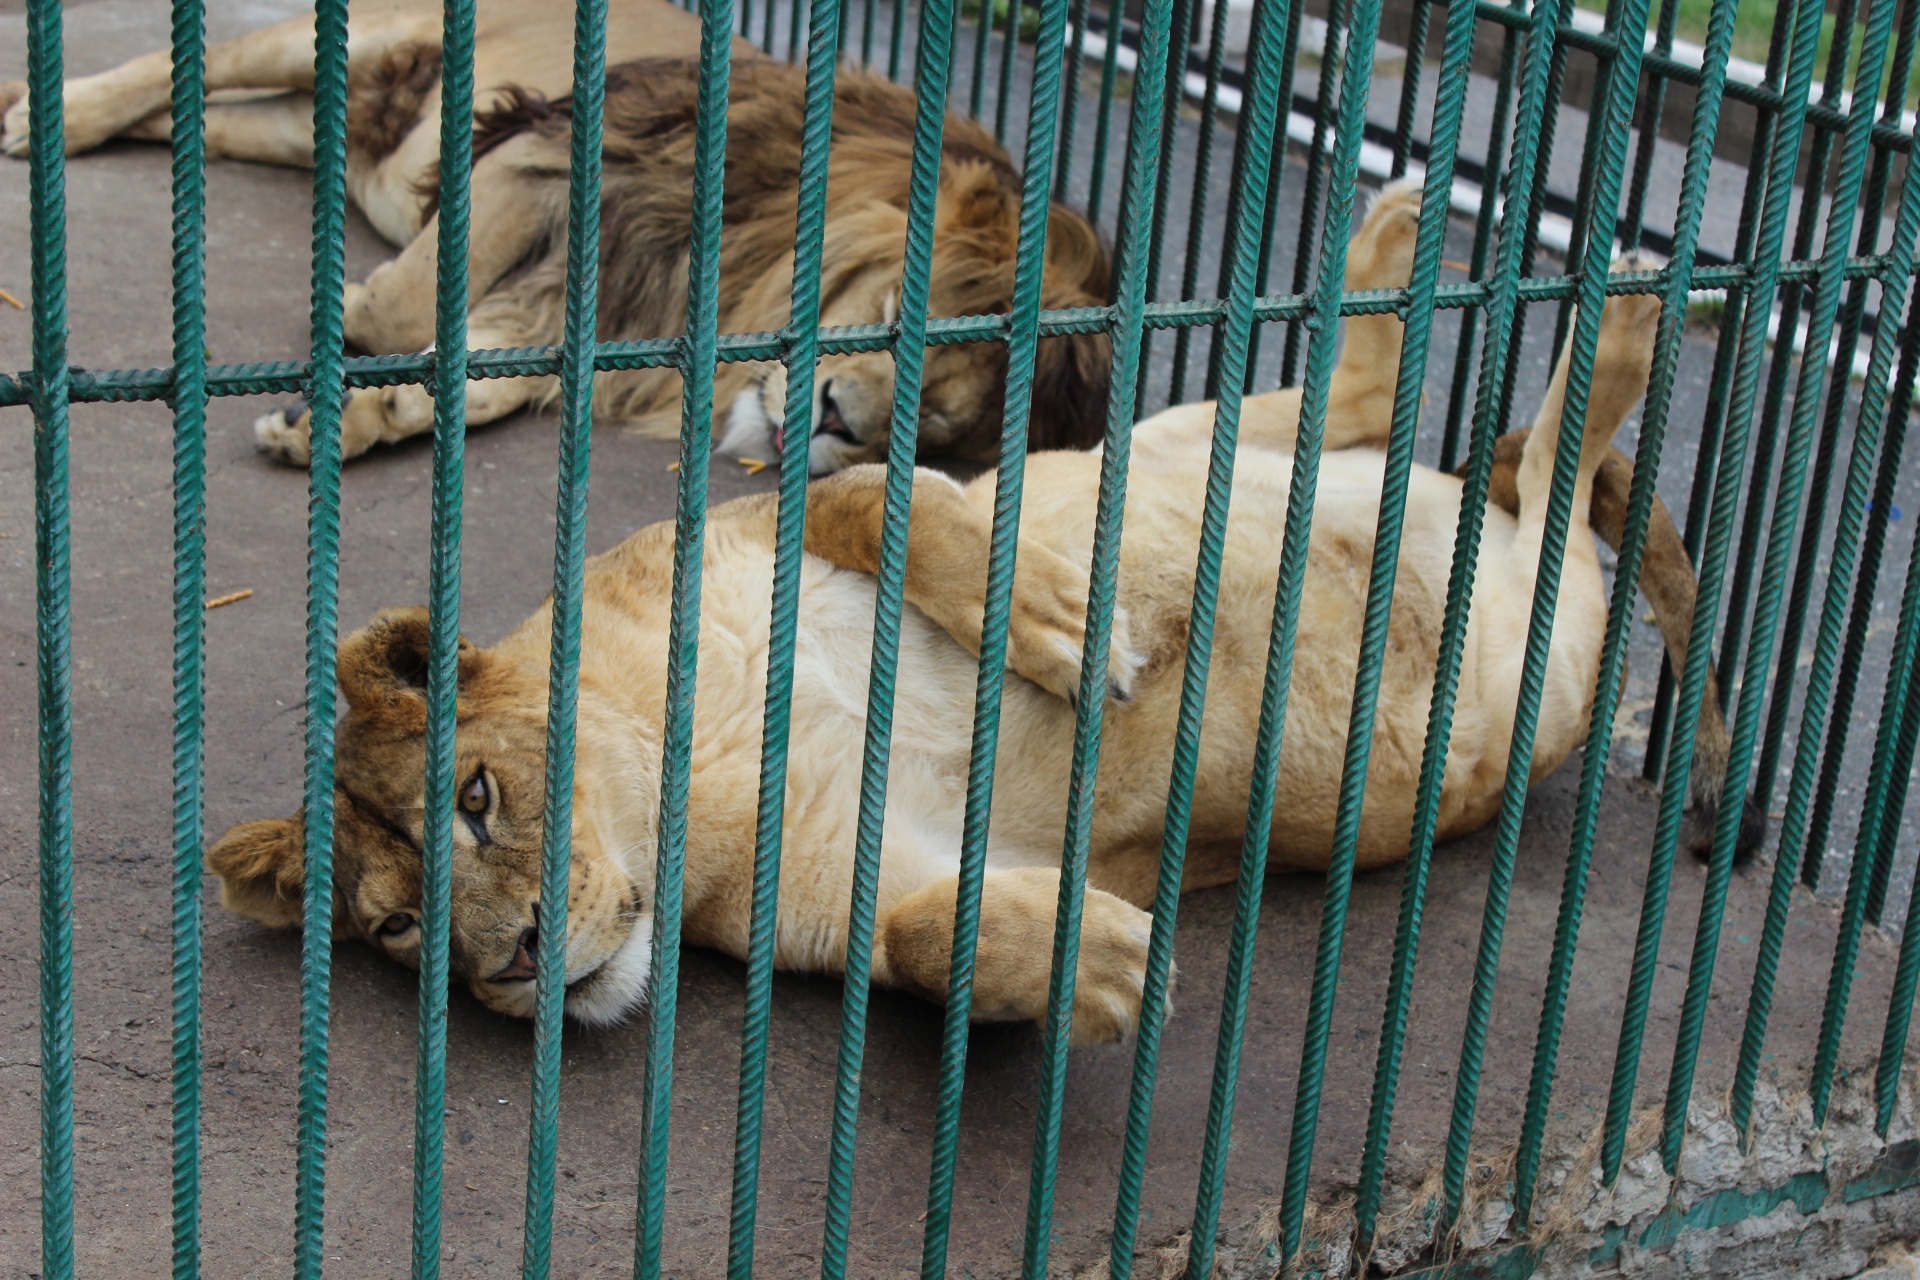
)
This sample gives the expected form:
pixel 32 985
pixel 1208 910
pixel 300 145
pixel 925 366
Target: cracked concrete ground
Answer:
pixel 258 253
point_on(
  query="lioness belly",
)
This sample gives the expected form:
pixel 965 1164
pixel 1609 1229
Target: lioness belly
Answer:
pixel 1164 511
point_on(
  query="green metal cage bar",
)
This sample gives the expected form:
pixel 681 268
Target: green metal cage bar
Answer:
pixel 1233 344
pixel 1839 379
pixel 1103 124
pixel 1173 71
pixel 1692 204
pixel 683 644
pixel 1819 684
pixel 1235 315
pixel 1500 307
pixel 1062 158
pixel 1310 194
pixel 1419 23
pixel 1899 727
pixel 1139 192
pixel 1652 112
pixel 1726 348
pixel 1355 86
pixel 1148 115
pixel 1459 402
pixel 53 634
pixel 1863 601
pixel 1611 131
pixel 1448 113
pixel 1785 143
pixel 189 610
pixel 1792 302
pixel 1546 133
pixel 982 41
pixel 325 392
pixel 937 22
pixel 563 679
pixel 1203 171
pixel 271 377
pixel 443 623
pixel 1237 192
pixel 1023 340
pixel 1827 296
pixel 1009 53
pixel 809 234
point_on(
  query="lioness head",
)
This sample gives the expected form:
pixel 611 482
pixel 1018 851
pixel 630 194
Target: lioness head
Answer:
pixel 499 802
pixel 963 385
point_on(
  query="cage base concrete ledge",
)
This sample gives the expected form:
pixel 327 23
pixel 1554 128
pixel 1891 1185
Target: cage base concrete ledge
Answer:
pixel 1823 1202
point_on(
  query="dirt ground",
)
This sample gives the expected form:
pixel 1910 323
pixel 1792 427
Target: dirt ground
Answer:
pixel 256 541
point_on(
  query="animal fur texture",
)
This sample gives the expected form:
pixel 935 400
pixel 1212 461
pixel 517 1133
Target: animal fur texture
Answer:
pixel 624 669
pixel 517 260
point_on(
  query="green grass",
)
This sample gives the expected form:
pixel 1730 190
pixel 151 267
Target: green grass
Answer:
pixel 1753 30
pixel 1029 16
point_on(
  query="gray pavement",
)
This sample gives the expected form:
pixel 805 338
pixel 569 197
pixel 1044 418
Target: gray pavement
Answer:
pixel 256 537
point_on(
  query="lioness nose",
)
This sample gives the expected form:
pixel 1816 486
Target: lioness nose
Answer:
pixel 525 965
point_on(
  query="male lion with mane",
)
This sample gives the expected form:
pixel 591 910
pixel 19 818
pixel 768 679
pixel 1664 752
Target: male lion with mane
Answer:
pixel 517 259
pixel 502 703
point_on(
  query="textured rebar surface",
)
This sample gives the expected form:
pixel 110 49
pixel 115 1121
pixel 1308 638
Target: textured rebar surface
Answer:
pixel 1516 937
pixel 569 567
pixel 189 610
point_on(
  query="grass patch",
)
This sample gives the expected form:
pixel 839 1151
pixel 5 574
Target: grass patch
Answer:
pixel 1029 16
pixel 1753 31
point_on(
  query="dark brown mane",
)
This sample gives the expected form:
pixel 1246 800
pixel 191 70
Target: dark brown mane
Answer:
pixel 647 215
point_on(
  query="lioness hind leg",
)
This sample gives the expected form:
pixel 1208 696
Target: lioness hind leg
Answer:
pixel 1360 395
pixel 1360 399
pixel 1622 364
pixel 1014 963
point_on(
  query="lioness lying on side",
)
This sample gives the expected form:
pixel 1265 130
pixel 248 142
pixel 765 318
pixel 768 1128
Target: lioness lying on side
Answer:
pixel 517 272
pixel 503 693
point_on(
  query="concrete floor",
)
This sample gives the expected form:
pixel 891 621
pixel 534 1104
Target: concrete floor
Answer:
pixel 256 538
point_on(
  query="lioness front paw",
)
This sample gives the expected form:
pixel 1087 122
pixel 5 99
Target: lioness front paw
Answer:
pixel 13 125
pixel 285 434
pixel 1046 636
pixel 1112 977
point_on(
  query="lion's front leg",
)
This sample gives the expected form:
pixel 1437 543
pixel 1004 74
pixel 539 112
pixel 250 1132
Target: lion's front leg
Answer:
pixel 1014 963
pixel 104 106
pixel 948 547
pixel 385 415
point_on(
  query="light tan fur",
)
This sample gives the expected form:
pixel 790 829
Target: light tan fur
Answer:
pixel 623 683
pixel 517 257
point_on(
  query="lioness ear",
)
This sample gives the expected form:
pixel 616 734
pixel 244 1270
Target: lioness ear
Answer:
pixel 383 669
pixel 261 868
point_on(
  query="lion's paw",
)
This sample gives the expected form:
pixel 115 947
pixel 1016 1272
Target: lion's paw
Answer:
pixel 284 434
pixel 353 318
pixel 1112 976
pixel 14 138
pixel 1046 636
pixel 1381 256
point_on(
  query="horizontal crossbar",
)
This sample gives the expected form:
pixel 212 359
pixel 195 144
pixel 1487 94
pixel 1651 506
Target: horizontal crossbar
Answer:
pixel 286 377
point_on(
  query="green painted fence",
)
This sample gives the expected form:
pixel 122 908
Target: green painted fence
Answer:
pixel 1848 137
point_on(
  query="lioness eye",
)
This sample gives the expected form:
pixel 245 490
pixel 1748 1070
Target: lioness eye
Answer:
pixel 473 797
pixel 396 924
